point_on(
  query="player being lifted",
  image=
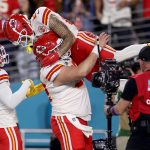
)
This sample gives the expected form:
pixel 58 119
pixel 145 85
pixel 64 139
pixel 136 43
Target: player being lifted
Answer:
pixel 18 29
pixel 9 133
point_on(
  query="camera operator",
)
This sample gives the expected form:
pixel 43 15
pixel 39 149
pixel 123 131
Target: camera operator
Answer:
pixel 137 94
pixel 124 129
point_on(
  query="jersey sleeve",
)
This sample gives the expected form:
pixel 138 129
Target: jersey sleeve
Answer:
pixel 3 76
pixel 130 90
pixel 41 15
pixel 39 21
pixel 10 99
pixel 50 73
pixel 107 52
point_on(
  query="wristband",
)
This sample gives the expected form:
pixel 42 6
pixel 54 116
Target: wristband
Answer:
pixel 113 111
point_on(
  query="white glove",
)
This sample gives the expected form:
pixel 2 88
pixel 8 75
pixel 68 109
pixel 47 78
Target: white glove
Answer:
pixel 27 85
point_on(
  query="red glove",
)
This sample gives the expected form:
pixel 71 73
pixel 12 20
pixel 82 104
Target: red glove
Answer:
pixel 50 59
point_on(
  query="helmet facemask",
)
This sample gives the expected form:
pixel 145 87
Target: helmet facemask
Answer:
pixel 41 53
pixel 4 57
pixel 23 38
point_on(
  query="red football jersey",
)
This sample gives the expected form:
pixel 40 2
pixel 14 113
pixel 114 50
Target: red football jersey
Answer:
pixel 83 46
pixel 141 102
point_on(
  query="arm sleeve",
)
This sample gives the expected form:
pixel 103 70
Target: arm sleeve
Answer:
pixel 10 99
pixel 128 52
pixel 130 90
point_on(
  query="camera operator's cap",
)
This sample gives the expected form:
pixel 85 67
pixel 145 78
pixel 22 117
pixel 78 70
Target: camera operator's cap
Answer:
pixel 144 53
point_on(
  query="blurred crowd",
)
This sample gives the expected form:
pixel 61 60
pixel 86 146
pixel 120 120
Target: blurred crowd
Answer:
pixel 127 21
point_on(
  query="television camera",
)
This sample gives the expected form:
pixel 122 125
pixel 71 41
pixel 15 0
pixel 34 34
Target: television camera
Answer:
pixel 108 80
pixel 108 77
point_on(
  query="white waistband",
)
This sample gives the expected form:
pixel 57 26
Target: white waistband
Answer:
pixel 87 130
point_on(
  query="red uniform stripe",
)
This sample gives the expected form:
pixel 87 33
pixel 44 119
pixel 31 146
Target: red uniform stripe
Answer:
pixel 87 38
pixel 4 77
pixel 110 48
pixel 66 138
pixel 47 92
pixel 52 71
pixel 45 16
pixel 12 138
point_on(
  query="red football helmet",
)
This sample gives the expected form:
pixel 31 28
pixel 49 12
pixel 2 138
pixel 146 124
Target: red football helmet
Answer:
pixel 18 29
pixel 4 57
pixel 45 45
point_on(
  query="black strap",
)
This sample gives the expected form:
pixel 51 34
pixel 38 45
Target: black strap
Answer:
pixel 142 124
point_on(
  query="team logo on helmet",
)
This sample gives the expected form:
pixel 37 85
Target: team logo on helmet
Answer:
pixel 13 23
pixel 40 49
pixel 18 30
pixel 42 29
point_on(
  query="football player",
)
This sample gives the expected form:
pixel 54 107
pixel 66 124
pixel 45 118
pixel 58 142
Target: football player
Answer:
pixel 10 138
pixel 71 109
pixel 44 20
pixel 17 28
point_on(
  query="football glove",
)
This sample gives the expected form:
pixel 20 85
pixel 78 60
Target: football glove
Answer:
pixel 34 90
